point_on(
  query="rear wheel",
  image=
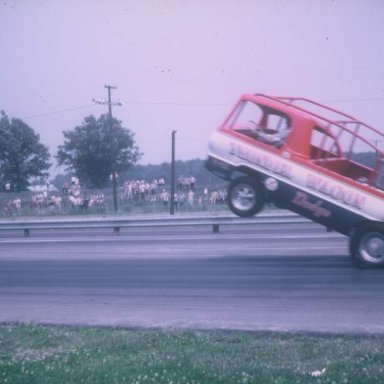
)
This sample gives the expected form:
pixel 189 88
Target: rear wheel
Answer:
pixel 367 246
pixel 245 196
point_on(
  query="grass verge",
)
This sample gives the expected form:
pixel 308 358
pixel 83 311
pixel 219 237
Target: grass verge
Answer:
pixel 55 354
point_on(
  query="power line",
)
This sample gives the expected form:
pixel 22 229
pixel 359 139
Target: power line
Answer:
pixel 120 103
pixel 218 104
pixel 185 104
pixel 355 100
pixel 192 104
pixel 58 111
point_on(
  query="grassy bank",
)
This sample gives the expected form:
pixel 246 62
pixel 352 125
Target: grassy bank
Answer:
pixel 47 354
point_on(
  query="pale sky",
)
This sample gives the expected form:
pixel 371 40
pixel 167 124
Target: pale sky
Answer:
pixel 182 64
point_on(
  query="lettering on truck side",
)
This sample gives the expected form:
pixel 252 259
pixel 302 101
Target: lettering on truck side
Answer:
pixel 335 191
pixel 262 160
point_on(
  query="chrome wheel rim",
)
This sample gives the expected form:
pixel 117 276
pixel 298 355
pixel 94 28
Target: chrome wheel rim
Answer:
pixel 243 197
pixel 372 248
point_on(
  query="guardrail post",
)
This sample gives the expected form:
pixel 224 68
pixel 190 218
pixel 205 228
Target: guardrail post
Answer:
pixel 215 228
pixel 26 232
pixel 116 230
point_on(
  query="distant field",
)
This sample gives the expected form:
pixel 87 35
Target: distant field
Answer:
pixel 54 354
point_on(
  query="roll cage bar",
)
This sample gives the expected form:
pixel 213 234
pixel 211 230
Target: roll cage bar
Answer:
pixel 343 121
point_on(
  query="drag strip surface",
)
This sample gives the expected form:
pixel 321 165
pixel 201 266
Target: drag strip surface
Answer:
pixel 280 277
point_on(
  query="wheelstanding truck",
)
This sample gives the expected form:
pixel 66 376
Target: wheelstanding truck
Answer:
pixel 308 158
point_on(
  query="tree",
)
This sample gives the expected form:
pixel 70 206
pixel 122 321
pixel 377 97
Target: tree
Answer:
pixel 96 149
pixel 22 156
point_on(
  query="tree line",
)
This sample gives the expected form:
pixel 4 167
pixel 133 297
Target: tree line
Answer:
pixel 91 151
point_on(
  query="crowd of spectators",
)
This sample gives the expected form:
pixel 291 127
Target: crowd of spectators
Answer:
pixel 141 190
pixel 187 196
pixel 186 183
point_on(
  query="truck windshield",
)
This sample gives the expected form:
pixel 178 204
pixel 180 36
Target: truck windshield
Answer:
pixel 260 123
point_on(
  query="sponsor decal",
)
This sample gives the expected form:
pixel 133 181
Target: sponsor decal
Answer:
pixel 301 199
pixel 335 191
pixel 262 160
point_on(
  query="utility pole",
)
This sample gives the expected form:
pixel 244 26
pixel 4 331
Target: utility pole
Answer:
pixel 109 103
pixel 173 179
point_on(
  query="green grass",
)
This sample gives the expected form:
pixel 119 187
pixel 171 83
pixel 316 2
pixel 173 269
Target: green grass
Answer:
pixel 54 354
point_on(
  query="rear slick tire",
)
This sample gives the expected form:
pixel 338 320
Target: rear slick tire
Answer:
pixel 367 246
pixel 245 196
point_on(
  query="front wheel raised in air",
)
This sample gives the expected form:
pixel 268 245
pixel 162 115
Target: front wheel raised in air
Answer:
pixel 245 196
pixel 367 246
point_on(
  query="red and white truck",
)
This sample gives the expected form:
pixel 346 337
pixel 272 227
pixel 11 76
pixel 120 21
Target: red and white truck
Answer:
pixel 308 158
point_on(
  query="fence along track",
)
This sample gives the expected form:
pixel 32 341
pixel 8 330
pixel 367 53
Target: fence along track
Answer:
pixel 118 223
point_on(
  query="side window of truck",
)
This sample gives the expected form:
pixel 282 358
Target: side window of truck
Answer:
pixel 323 145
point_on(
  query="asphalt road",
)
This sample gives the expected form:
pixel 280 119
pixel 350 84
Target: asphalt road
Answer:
pixel 281 277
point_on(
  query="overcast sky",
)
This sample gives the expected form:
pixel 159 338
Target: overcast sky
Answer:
pixel 181 64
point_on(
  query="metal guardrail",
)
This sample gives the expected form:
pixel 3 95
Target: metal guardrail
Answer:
pixel 117 224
